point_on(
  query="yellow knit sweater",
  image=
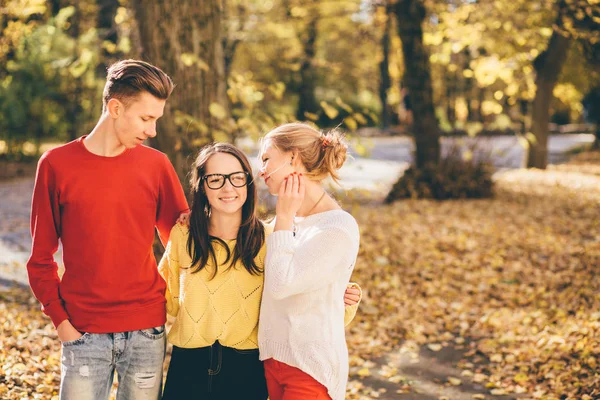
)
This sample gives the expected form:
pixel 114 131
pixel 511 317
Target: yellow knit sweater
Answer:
pixel 207 309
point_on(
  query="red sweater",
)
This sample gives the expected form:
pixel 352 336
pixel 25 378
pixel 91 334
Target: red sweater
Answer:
pixel 104 210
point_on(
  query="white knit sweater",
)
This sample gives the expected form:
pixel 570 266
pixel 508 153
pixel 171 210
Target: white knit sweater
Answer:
pixel 302 310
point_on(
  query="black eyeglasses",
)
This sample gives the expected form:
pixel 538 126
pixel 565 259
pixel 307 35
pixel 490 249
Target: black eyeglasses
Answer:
pixel 217 181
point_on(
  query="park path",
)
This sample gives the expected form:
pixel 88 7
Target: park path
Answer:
pixel 15 239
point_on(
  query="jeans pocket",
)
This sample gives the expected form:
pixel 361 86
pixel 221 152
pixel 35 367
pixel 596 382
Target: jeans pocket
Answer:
pixel 153 333
pixel 80 340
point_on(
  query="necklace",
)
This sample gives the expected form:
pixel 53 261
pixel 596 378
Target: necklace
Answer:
pixel 294 227
pixel 316 204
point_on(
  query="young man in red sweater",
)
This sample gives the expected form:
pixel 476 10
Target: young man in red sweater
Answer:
pixel 102 196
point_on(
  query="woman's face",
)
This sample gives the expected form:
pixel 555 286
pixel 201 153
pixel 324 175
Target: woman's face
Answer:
pixel 275 166
pixel 225 195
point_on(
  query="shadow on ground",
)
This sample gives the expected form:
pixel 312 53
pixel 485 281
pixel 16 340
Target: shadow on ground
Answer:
pixel 424 377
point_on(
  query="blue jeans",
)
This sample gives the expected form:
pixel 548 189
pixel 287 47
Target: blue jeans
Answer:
pixel 89 363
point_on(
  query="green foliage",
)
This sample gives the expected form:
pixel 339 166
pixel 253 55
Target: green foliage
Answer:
pixel 454 177
pixel 342 65
pixel 256 106
pixel 50 75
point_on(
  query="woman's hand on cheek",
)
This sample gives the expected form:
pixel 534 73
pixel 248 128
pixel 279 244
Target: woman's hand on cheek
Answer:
pixel 291 196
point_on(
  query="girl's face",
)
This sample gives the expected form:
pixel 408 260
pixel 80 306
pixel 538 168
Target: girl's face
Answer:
pixel 275 166
pixel 225 183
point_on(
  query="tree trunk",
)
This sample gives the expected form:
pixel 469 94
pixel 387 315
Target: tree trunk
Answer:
pixel 107 29
pixel 184 39
pixel 451 100
pixel 481 93
pixel 547 66
pixel 524 112
pixel 55 6
pixel 232 40
pixel 468 93
pixel 452 95
pixel 307 102
pixel 384 71
pixel 74 105
pixel 417 77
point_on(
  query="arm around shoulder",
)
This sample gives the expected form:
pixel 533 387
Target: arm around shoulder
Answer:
pixel 169 268
pixel 171 201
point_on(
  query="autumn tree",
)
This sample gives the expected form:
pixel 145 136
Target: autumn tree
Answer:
pixel 576 19
pixel 184 38
pixel 48 87
pixel 591 102
pixel 547 68
pixel 384 67
pixel 306 81
pixel 410 15
pixel 108 33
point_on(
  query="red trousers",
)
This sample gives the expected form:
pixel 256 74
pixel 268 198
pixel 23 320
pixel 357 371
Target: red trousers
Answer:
pixel 289 383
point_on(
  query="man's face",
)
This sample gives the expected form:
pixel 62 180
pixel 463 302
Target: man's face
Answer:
pixel 137 122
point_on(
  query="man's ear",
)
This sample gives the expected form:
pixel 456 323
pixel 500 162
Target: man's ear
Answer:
pixel 115 107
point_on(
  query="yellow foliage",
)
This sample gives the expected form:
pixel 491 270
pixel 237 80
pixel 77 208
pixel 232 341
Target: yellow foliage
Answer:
pixel 513 274
pixel 350 123
pixel 217 110
pixel 330 111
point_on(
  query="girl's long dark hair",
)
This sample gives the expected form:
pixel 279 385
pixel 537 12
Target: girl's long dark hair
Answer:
pixel 250 236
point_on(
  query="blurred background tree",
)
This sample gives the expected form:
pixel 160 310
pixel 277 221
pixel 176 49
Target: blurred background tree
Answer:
pixel 184 38
pixel 419 67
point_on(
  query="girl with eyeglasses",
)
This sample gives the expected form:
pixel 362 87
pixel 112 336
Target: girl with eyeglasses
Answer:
pixel 214 273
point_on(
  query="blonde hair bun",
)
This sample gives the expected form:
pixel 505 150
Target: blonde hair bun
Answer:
pixel 323 154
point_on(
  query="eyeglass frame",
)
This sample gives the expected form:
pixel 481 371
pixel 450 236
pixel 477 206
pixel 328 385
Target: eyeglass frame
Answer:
pixel 227 177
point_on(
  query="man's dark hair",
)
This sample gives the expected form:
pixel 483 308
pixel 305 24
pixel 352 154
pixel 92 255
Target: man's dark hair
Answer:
pixel 126 79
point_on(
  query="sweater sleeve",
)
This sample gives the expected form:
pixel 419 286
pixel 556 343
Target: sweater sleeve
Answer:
pixel 319 261
pixel 171 201
pixel 169 270
pixel 45 232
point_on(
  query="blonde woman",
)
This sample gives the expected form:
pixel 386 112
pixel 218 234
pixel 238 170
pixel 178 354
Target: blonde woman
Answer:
pixel 310 258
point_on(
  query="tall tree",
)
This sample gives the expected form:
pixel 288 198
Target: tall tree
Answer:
pixel 410 15
pixel 307 101
pixel 384 68
pixel 547 66
pixel 591 102
pixel 108 32
pixel 235 30
pixel 75 110
pixel 578 21
pixel 183 37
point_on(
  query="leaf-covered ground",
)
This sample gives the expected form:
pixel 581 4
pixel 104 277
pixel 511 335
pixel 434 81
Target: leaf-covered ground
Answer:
pixel 514 282
pixel 506 289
